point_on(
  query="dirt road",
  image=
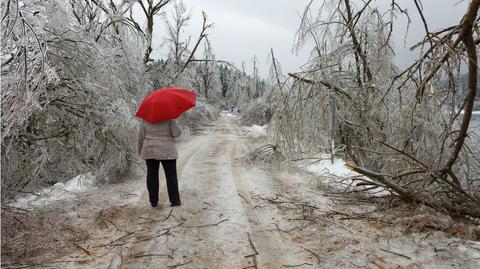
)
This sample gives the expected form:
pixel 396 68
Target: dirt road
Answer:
pixel 236 214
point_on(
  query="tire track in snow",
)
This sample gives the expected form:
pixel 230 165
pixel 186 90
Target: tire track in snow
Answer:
pixel 261 234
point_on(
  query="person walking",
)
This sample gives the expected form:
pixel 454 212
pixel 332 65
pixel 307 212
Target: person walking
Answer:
pixel 156 140
pixel 156 144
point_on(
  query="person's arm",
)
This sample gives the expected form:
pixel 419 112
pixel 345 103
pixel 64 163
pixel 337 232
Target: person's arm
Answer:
pixel 175 130
pixel 141 137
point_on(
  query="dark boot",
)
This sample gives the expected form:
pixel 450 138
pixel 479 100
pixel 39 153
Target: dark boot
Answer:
pixel 176 204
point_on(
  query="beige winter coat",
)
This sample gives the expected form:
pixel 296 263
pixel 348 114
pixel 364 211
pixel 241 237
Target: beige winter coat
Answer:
pixel 157 141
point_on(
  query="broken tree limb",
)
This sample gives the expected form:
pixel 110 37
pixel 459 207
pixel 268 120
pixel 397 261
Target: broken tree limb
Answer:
pixel 382 179
pixel 327 84
pixel 466 208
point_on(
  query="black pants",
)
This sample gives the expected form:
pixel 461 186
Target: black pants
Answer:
pixel 170 168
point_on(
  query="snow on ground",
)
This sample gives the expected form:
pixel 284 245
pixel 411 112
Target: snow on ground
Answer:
pixel 338 175
pixel 233 215
pixel 229 114
pixel 338 168
pixel 57 192
pixel 255 130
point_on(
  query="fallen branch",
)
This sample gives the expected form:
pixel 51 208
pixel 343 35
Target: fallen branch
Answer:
pixel 167 231
pixel 252 245
pixel 401 255
pixel 205 225
pixel 157 220
pixel 409 195
pixel 19 220
pixel 382 179
pixel 17 210
pixel 153 255
pixel 254 255
pixel 178 265
pixel 295 203
pixel 314 254
pixel 116 240
pixel 88 251
pixel 241 195
pixel 298 265
pixel 128 193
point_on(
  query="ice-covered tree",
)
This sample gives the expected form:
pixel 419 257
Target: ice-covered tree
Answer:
pixel 401 128
pixel 71 76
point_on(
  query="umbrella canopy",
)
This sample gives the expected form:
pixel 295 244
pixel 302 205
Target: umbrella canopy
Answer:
pixel 166 104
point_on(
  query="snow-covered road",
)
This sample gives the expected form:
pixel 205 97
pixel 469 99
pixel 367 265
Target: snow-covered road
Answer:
pixel 236 214
pixel 217 225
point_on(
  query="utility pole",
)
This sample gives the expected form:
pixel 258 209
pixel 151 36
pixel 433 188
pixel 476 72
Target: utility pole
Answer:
pixel 332 138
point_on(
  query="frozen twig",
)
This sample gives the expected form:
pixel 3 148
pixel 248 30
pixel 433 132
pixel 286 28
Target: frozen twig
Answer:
pixel 253 255
pixel 205 225
pixel 297 265
pixel 396 253
pixel 116 240
pixel 148 238
pixel 153 255
pixel 179 265
pixel 89 252
pixel 314 254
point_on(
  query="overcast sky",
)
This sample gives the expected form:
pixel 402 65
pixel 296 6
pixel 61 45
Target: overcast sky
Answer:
pixel 244 28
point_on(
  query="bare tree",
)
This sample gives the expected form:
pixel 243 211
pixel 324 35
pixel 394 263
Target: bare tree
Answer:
pixel 180 54
pixel 203 35
pixel 150 9
pixel 208 69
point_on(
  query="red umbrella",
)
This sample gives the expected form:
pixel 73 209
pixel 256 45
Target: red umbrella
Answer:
pixel 166 104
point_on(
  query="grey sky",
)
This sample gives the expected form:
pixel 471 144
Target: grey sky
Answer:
pixel 251 27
